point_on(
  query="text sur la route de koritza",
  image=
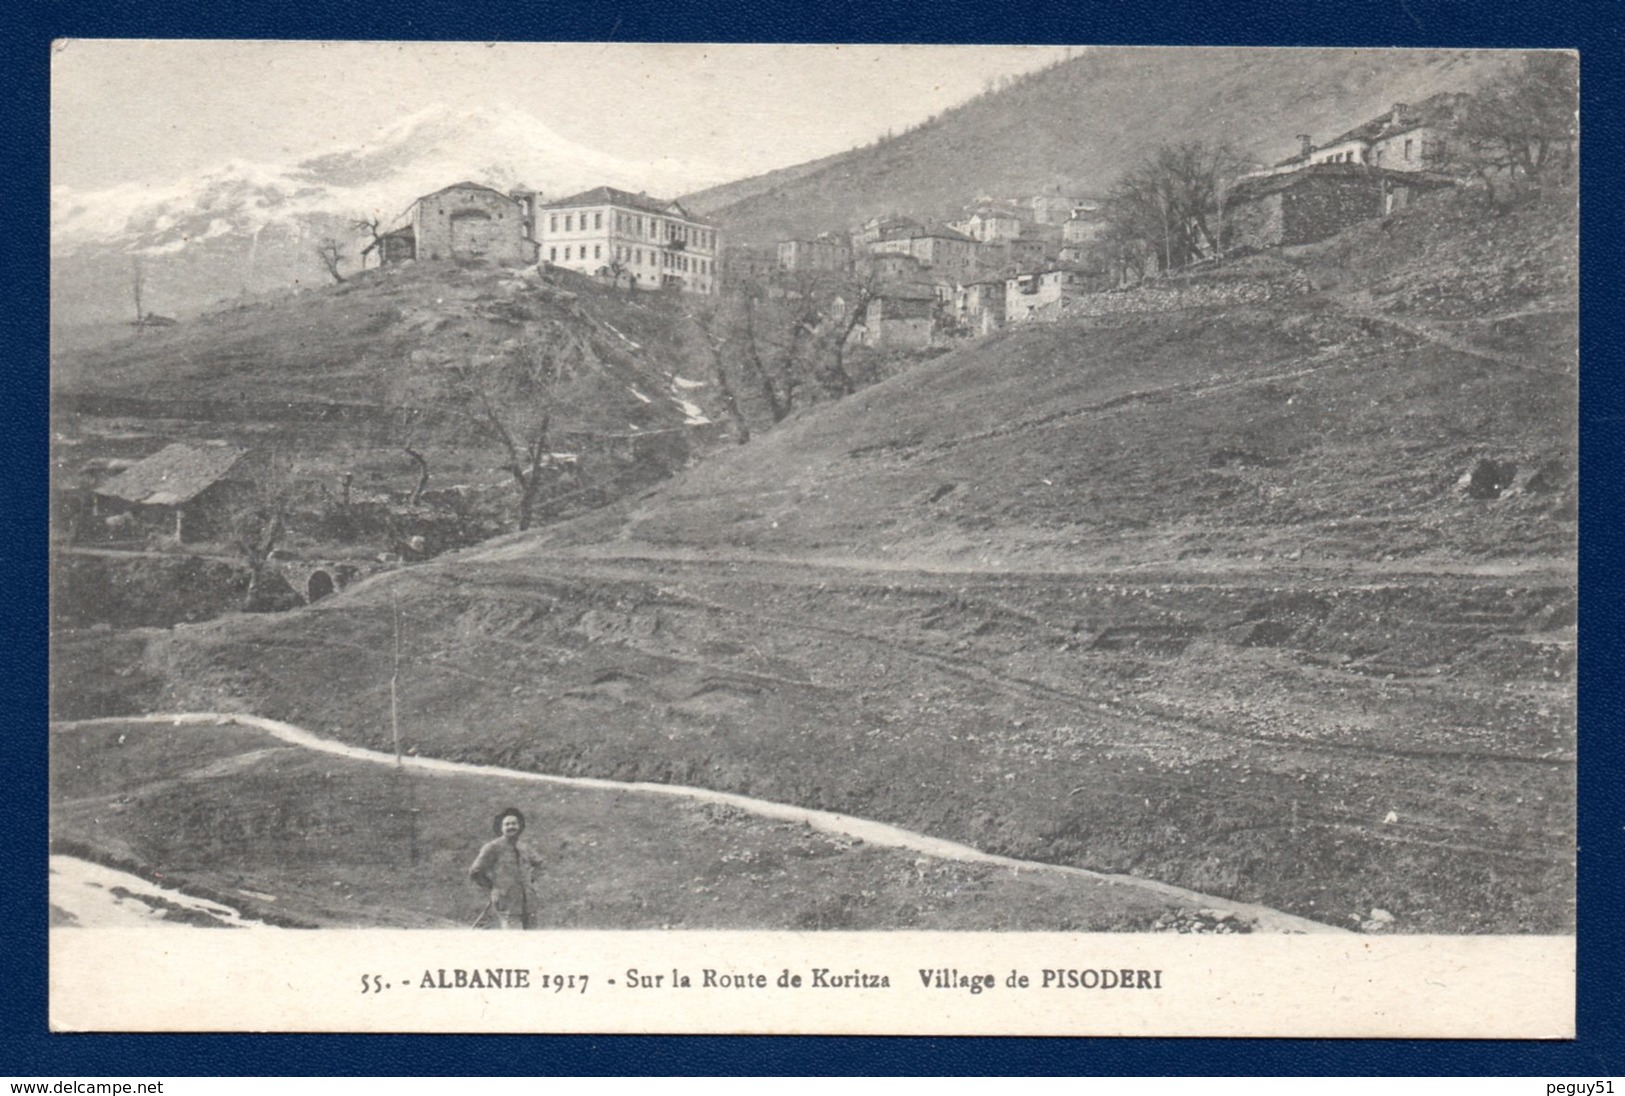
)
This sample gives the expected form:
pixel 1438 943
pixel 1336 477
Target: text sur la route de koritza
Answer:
pixel 951 978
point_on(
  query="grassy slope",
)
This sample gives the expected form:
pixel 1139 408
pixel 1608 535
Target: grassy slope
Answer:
pixel 341 378
pixel 1270 652
pixel 240 815
pixel 366 341
pixel 1081 124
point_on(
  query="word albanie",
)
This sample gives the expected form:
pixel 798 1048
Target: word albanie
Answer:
pixel 501 978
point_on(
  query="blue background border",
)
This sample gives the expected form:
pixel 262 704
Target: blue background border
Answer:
pixel 26 1048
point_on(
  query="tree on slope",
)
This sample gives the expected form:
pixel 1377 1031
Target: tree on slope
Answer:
pixel 511 393
pixel 1519 130
pixel 1170 204
pixel 331 254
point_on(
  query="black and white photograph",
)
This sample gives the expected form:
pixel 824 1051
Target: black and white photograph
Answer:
pixel 814 496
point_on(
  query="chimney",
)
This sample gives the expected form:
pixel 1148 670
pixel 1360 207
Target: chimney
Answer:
pixel 1306 146
pixel 1399 113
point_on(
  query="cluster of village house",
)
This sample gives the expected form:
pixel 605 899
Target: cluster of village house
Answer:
pixel 1004 261
pixel 1020 260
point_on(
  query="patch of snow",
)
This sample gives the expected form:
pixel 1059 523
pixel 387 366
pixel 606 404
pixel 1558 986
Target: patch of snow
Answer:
pixel 695 413
pixel 638 394
pixel 86 892
pixel 684 382
pixel 623 338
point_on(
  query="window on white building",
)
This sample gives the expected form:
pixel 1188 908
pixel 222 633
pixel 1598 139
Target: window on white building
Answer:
pixel 597 220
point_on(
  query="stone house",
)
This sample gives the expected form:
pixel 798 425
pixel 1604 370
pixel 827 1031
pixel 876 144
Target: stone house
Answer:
pixel 900 317
pixel 1083 227
pixel 989 226
pixel 876 229
pixel 463 221
pixel 979 306
pixel 1035 248
pixel 887 267
pixel 1405 138
pixel 191 489
pixel 821 253
pixel 651 242
pixel 1315 202
pixel 1054 209
pixel 1027 296
pixel 953 253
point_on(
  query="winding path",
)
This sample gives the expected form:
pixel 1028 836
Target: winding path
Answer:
pixel 875 833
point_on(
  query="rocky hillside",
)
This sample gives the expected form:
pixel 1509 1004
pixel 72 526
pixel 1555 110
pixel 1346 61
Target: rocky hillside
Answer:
pixel 1080 124
pixel 1271 597
pixel 435 358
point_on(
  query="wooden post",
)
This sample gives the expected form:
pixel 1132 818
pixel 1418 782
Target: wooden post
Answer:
pixel 180 536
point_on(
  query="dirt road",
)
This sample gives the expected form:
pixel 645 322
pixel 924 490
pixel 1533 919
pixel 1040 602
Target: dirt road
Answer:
pixel 864 830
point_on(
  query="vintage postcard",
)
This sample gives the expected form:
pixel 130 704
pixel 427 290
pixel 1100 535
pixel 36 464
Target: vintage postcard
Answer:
pixel 843 539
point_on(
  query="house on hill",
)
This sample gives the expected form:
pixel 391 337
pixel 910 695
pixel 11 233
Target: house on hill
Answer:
pixel 902 316
pixel 462 221
pixel 979 306
pixel 989 226
pixel 1041 294
pixel 953 253
pixel 1315 202
pixel 876 229
pixel 1405 138
pixel 821 253
pixel 192 487
pixel 888 267
pixel 655 243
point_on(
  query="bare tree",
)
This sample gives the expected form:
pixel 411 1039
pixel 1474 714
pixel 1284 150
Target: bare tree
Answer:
pixel 331 255
pixel 257 526
pixel 752 358
pixel 710 320
pixel 1170 202
pixel 371 226
pixel 1521 128
pixel 423 474
pixel 511 395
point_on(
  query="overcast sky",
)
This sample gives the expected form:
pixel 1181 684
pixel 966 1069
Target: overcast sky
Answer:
pixel 125 111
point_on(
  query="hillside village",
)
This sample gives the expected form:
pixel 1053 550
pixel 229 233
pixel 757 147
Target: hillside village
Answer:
pixel 1214 526
pixel 921 283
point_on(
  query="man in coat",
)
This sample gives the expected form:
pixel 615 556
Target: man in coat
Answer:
pixel 502 870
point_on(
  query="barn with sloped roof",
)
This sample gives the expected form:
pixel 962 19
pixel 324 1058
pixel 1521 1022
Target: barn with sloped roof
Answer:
pixel 192 488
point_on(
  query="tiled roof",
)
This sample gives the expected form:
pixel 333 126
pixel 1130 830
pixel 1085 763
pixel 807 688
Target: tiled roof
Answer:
pixel 174 475
pixel 464 185
pixel 1433 110
pixel 608 195
pixel 1259 186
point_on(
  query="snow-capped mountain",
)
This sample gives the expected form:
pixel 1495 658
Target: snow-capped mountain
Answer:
pixel 245 227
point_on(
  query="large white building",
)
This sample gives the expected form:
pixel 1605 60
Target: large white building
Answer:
pixel 647 242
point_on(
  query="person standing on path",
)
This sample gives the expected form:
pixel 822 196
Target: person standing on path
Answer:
pixel 502 870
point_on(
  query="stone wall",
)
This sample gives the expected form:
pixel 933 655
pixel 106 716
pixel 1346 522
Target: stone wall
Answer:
pixel 1310 213
pixel 1193 294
